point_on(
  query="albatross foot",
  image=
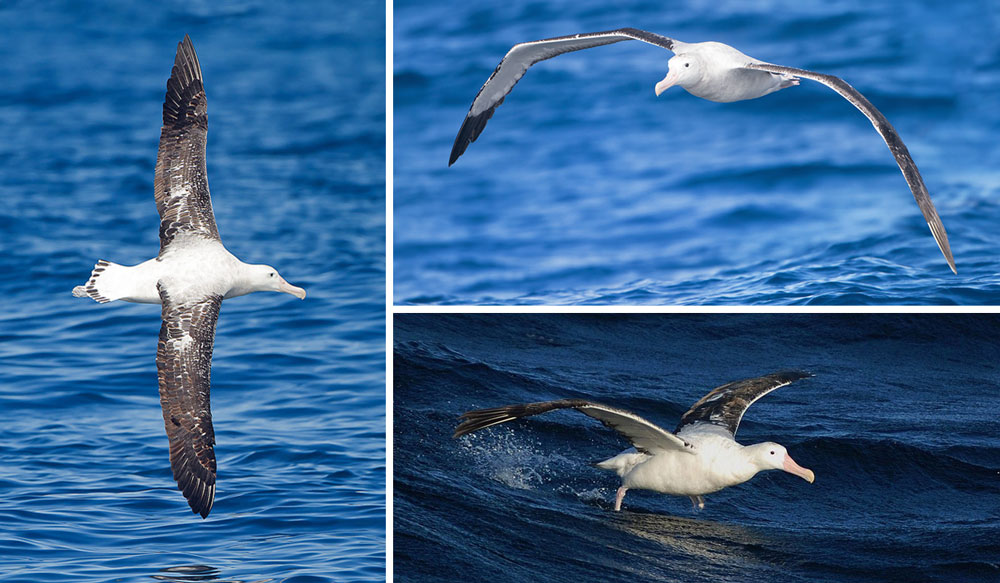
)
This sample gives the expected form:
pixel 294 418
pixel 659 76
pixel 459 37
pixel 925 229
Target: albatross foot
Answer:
pixel 698 502
pixel 618 498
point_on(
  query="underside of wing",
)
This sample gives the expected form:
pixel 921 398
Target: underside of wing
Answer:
pixel 724 406
pixel 906 164
pixel 645 436
pixel 184 365
pixel 517 62
pixel 181 183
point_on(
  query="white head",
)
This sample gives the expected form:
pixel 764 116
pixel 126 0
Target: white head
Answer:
pixel 771 456
pixel 684 70
pixel 266 278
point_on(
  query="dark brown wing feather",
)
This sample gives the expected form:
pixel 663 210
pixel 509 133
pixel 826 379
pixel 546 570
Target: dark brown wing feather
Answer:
pixel 724 406
pixel 644 435
pixel 184 368
pixel 181 183
pixel 906 164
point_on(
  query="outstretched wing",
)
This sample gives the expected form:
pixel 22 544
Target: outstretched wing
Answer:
pixel 892 139
pixel 645 436
pixel 181 183
pixel 724 406
pixel 516 63
pixel 184 368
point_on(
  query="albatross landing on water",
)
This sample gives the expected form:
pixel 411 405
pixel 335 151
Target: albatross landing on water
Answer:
pixel 710 70
pixel 701 456
pixel 190 277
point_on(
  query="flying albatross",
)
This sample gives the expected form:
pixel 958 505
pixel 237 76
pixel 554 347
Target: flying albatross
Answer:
pixel 701 456
pixel 190 277
pixel 710 70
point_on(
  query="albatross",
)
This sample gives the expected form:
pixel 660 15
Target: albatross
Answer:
pixel 699 457
pixel 710 70
pixel 190 277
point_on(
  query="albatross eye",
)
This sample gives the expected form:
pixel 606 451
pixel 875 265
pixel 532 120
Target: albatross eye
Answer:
pixel 772 452
pixel 272 275
pixel 687 64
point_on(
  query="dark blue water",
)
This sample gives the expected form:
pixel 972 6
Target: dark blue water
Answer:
pixel 586 188
pixel 899 425
pixel 296 166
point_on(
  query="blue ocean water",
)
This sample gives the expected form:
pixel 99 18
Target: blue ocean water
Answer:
pixel 586 188
pixel 296 162
pixel 899 425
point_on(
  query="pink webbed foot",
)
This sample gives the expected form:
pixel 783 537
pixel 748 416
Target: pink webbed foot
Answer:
pixel 618 498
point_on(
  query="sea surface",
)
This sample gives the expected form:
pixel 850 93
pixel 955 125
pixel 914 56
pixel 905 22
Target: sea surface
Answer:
pixel 296 102
pixel 585 188
pixel 899 424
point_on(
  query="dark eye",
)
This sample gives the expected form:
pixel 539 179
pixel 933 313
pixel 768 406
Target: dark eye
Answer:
pixel 272 275
pixel 772 452
pixel 687 64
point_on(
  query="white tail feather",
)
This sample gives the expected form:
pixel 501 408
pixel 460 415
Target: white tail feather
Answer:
pixel 623 463
pixel 103 283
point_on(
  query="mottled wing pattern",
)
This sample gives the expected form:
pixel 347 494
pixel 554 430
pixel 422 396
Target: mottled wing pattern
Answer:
pixel 184 368
pixel 906 164
pixel 181 183
pixel 645 436
pixel 516 63
pixel 724 406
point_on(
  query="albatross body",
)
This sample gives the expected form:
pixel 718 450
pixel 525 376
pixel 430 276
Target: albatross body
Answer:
pixel 190 277
pixel 700 457
pixel 710 70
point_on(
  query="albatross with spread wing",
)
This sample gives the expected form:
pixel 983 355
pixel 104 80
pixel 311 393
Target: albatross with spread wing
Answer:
pixel 710 70
pixel 190 277
pixel 699 457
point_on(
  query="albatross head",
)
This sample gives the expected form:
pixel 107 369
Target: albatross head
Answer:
pixel 771 456
pixel 683 70
pixel 266 278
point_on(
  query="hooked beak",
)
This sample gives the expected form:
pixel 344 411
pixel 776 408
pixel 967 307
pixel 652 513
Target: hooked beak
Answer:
pixel 288 288
pixel 669 81
pixel 793 468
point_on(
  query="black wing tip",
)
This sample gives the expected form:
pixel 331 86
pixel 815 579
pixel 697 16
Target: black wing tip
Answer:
pixel 483 418
pixel 791 375
pixel 946 251
pixel 471 129
pixel 185 89
pixel 202 505
pixel 200 495
pixel 187 58
pixel 479 419
pixel 195 477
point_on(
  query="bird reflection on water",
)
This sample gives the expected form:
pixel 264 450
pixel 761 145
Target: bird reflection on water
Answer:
pixel 713 544
pixel 191 573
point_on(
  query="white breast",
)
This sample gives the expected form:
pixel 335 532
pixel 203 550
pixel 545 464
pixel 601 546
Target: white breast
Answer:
pixel 718 463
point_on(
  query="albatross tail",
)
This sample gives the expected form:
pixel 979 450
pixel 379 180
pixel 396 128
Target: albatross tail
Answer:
pixel 104 284
pixel 623 463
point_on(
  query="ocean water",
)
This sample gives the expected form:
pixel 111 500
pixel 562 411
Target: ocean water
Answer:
pixel 296 164
pixel 586 188
pixel 899 424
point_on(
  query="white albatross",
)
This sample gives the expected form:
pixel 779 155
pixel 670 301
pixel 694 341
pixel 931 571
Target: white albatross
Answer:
pixel 710 70
pixel 190 277
pixel 701 456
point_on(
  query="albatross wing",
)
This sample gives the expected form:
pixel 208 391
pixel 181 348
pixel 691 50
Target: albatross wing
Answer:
pixel 181 183
pixel 516 63
pixel 724 406
pixel 906 164
pixel 645 436
pixel 184 368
